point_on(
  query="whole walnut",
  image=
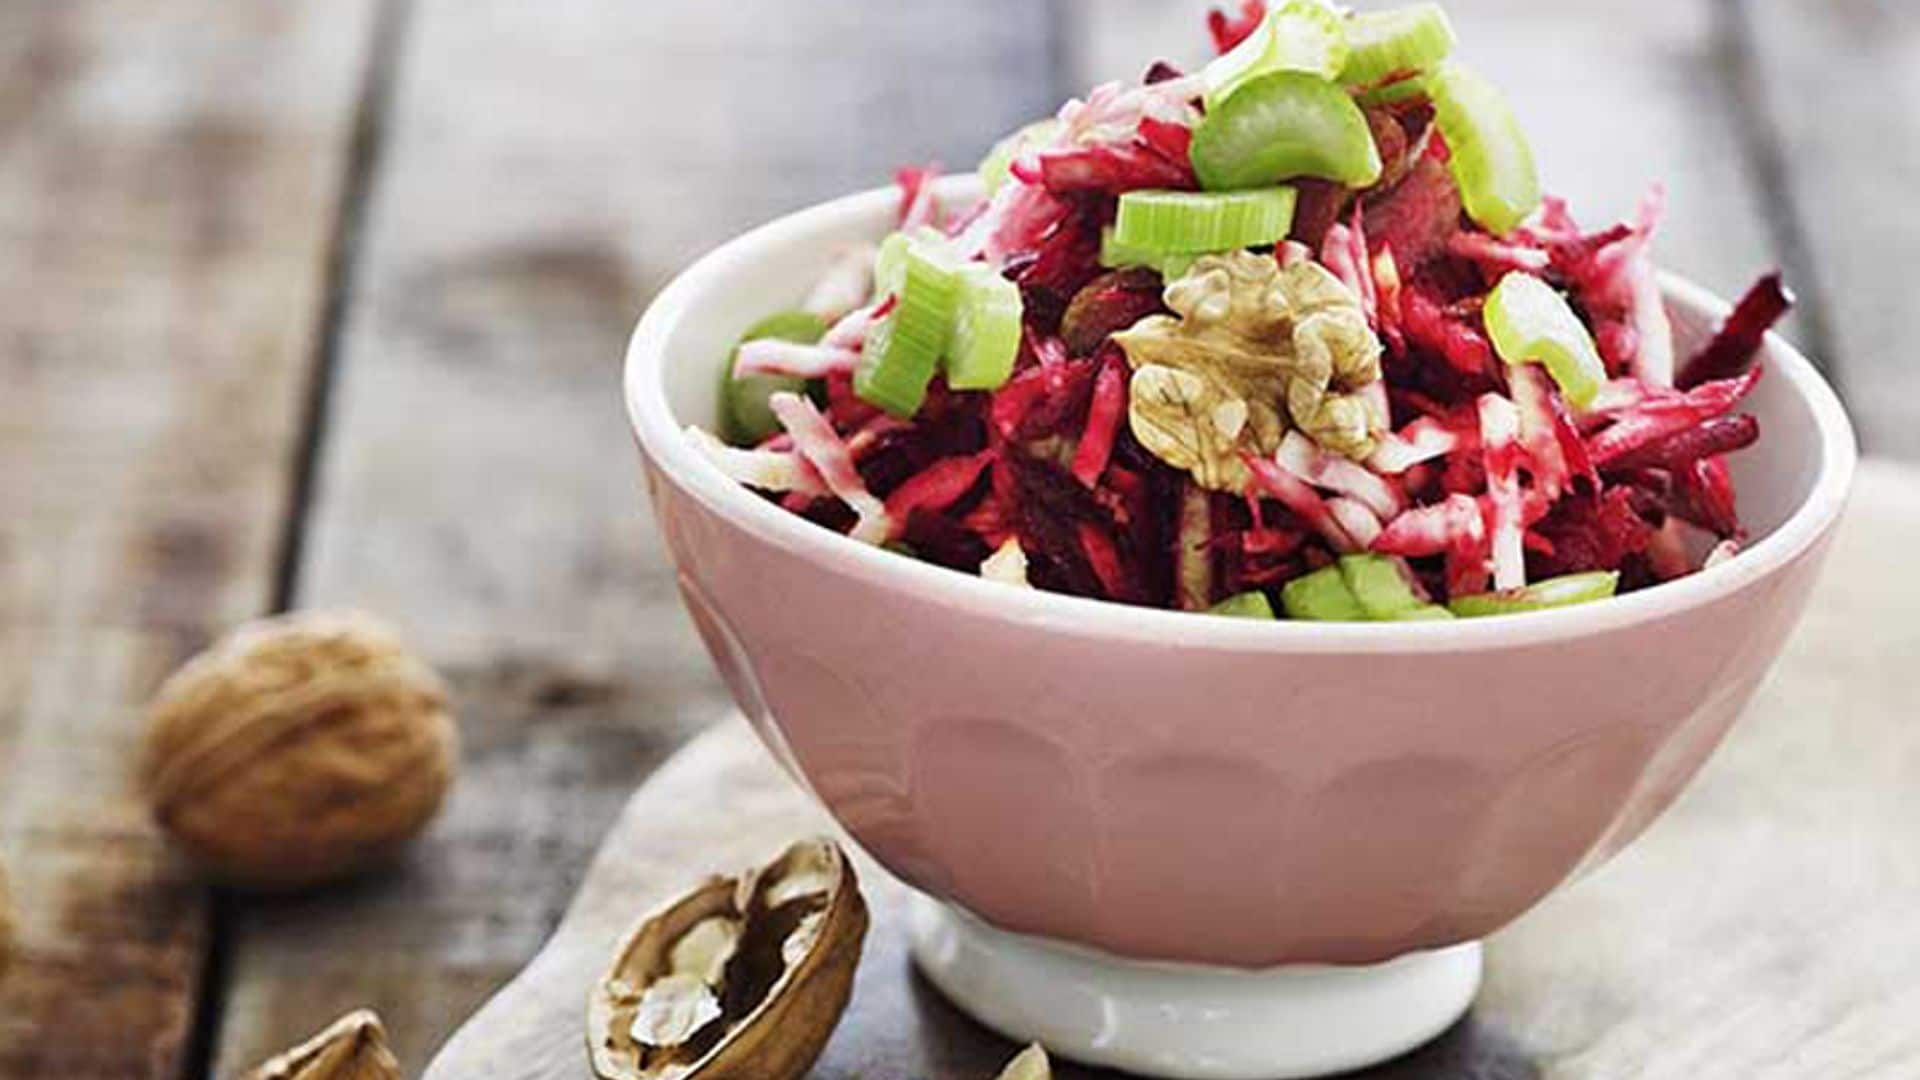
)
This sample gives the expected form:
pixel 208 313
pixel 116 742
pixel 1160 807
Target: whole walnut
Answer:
pixel 299 749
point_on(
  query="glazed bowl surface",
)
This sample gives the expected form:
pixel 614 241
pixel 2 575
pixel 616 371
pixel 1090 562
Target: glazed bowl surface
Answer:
pixel 1169 786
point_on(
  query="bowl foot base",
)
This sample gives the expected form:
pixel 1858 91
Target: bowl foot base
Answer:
pixel 1189 1021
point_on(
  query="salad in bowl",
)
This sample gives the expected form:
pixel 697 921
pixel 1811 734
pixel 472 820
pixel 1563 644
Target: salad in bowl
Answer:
pixel 1293 335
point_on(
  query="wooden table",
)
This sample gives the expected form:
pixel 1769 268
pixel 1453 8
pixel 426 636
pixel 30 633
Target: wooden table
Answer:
pixel 323 303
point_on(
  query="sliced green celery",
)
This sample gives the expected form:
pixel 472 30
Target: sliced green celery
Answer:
pixel 902 351
pixel 1171 264
pixel 747 419
pixel 1393 92
pixel 1529 321
pixel 1299 35
pixel 1424 613
pixel 1197 222
pixel 986 330
pixel 1551 593
pixel 1383 43
pixel 1281 125
pixel 1246 605
pixel 1492 161
pixel 1322 596
pixel 1378 585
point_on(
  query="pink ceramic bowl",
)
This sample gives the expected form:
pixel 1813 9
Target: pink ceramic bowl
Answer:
pixel 1179 787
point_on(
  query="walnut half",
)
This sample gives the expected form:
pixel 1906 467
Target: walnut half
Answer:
pixel 745 977
pixel 353 1048
pixel 1255 344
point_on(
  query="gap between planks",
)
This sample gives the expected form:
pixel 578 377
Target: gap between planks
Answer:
pixel 377 77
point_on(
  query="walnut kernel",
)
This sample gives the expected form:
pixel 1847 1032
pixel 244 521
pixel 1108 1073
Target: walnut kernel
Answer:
pixel 742 979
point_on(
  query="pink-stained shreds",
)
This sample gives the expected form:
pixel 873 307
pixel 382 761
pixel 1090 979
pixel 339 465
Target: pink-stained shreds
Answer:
pixel 1499 446
pixel 815 440
pixel 1482 474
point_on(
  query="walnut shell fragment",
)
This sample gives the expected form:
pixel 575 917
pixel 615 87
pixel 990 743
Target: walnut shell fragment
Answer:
pixel 353 1048
pixel 744 978
pixel 1255 344
pixel 298 749
pixel 1029 1064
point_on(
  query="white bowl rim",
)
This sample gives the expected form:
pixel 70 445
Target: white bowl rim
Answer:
pixel 663 440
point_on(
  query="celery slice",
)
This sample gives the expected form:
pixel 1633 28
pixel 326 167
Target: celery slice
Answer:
pixel 1529 321
pixel 1246 605
pixel 1383 43
pixel 986 330
pixel 1378 586
pixel 1192 221
pixel 895 368
pixel 1424 613
pixel 1281 125
pixel 1391 93
pixel 1299 35
pixel 1322 596
pixel 1171 264
pixel 1551 593
pixel 998 164
pixel 901 351
pixel 1492 161
pixel 746 417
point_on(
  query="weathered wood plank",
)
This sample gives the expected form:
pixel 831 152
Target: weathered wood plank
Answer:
pixel 545 168
pixel 1614 94
pixel 167 188
pixel 1762 928
pixel 1836 83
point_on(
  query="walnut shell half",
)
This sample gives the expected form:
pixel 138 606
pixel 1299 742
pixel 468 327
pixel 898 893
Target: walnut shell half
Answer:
pixel 742 979
pixel 298 749
pixel 353 1048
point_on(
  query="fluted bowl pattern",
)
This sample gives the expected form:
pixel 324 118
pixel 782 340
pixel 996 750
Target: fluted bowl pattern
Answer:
pixel 1185 788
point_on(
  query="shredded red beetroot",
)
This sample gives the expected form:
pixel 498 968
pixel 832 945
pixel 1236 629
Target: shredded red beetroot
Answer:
pixel 1479 474
pixel 1230 30
pixel 1737 342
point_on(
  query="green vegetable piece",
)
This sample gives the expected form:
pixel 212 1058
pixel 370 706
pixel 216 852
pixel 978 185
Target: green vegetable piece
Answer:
pixel 1393 92
pixel 1383 43
pixel 1551 593
pixel 1321 596
pixel 1300 35
pixel 1282 125
pixel 1529 321
pixel 746 417
pixel 998 164
pixel 1246 605
pixel 1425 613
pixel 986 330
pixel 902 351
pixel 1378 585
pixel 1171 264
pixel 1492 161
pixel 1199 222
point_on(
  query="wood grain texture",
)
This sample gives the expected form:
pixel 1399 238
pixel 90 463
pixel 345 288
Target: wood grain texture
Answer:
pixel 1763 928
pixel 1838 85
pixel 167 187
pixel 544 168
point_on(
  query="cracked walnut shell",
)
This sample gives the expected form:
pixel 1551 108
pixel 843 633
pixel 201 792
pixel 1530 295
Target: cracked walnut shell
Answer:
pixel 354 1047
pixel 299 749
pixel 742 979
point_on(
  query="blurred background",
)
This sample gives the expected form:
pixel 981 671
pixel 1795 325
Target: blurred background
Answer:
pixel 323 304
